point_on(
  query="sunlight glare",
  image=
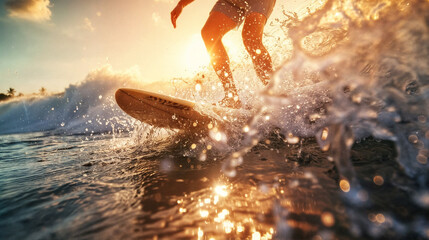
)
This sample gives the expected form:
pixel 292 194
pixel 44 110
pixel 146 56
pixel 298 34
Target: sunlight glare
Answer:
pixel 195 56
pixel 221 191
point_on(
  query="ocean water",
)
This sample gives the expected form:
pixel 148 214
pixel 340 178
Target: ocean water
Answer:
pixel 336 146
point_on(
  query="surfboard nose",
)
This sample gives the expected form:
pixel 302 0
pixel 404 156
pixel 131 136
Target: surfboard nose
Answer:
pixel 119 93
pixel 121 97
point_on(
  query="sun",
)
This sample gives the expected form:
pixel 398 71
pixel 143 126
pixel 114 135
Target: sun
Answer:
pixel 195 56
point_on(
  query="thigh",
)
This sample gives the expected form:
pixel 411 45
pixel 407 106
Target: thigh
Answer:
pixel 219 24
pixel 254 26
pixel 234 9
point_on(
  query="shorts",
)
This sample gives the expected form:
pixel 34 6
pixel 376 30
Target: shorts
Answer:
pixel 238 10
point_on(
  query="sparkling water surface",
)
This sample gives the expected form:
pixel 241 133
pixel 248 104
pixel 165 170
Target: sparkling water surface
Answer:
pixel 56 187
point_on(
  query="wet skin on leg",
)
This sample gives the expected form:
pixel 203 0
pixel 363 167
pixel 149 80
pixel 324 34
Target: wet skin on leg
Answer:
pixel 217 25
pixel 252 33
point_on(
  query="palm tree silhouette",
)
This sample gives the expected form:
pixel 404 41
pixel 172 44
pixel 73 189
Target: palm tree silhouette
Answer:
pixel 42 91
pixel 11 92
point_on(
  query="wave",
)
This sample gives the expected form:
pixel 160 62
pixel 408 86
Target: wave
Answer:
pixel 84 108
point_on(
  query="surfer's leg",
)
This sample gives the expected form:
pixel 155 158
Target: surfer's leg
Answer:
pixel 252 38
pixel 217 25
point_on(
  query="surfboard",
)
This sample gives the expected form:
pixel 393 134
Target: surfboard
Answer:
pixel 161 110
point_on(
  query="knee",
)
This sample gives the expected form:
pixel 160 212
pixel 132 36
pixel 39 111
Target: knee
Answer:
pixel 252 44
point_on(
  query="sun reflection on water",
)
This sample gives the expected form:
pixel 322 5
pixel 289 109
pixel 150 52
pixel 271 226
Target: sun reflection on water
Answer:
pixel 216 214
pixel 221 191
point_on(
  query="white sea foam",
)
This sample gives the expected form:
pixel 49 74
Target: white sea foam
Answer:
pixel 84 108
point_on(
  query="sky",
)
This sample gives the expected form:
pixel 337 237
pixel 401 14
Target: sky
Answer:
pixel 55 43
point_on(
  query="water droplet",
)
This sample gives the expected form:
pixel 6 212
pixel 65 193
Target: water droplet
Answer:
pixel 166 165
pixel 313 117
pixel 230 172
pixel 380 218
pixel 345 185
pixel 324 134
pixel 413 138
pixel 328 219
pixel 228 226
pixel 246 129
pixel 357 98
pixel 378 180
pixel 422 159
pixel 397 119
pixel 240 228
pixel 422 199
pixel 218 136
pixel 256 236
pixel 422 118
pixel 349 142
pixel 204 213
pixel 391 109
pixel 292 139
pixel 294 184
pixel 203 157
pixel 236 162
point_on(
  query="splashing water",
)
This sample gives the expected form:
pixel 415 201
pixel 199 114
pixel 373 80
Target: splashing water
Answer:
pixel 358 69
pixel 335 147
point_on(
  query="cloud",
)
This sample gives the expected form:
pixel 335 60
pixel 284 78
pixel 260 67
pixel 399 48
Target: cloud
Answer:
pixel 88 25
pixel 156 17
pixel 33 10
